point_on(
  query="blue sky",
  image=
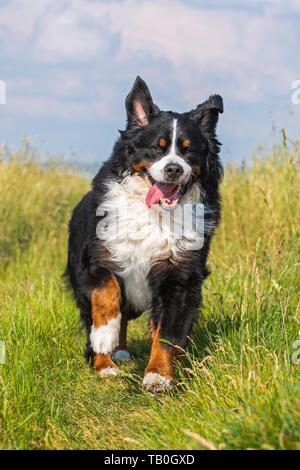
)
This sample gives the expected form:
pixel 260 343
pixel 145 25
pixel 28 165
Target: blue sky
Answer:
pixel 68 65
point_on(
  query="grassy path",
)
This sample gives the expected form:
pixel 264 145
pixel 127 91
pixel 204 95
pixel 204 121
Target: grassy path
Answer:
pixel 238 385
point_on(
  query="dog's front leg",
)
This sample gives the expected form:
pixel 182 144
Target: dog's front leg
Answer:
pixel 176 301
pixel 106 317
pixel 159 371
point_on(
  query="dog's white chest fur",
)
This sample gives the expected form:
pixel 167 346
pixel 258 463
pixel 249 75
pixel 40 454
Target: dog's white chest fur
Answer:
pixel 136 236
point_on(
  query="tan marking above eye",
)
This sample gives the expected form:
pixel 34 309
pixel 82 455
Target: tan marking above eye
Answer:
pixel 185 143
pixel 162 142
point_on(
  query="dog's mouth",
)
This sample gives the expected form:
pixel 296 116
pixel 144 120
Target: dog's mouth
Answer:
pixel 165 194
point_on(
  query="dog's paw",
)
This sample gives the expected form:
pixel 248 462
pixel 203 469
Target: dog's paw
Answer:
pixel 109 371
pixel 156 383
pixel 121 356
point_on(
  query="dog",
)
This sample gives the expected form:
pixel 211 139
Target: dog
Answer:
pixel 123 257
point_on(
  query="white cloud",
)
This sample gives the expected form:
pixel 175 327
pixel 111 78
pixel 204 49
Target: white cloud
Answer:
pixel 247 54
pixel 64 36
pixel 51 107
pixel 59 83
pixel 18 19
pixel 245 49
pixel 48 30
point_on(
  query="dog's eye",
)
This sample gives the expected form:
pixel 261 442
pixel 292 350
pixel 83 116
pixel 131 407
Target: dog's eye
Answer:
pixel 185 144
pixel 162 142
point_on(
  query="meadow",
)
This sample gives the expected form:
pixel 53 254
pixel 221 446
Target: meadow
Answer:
pixel 238 384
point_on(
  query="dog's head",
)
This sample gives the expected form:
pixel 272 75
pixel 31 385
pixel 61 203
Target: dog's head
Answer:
pixel 171 151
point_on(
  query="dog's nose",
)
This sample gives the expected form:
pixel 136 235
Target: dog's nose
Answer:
pixel 172 171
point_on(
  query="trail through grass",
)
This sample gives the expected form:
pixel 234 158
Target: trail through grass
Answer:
pixel 238 386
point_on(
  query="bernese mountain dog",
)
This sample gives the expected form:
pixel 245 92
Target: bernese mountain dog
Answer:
pixel 139 240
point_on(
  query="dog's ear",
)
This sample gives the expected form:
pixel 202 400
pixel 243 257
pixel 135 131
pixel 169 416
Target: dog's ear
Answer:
pixel 207 113
pixel 139 105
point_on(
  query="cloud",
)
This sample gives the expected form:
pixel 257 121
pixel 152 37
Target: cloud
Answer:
pixel 187 51
pixel 50 107
pixel 64 35
pixel 18 19
pixel 244 49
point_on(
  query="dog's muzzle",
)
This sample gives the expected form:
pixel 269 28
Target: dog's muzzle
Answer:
pixel 169 177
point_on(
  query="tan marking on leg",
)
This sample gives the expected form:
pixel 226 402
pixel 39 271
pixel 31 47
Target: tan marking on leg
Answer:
pixel 106 303
pixel 161 358
pixel 101 361
pixel 104 365
pixel 105 307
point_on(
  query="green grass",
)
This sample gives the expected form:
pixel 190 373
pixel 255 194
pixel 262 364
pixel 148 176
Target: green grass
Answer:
pixel 238 387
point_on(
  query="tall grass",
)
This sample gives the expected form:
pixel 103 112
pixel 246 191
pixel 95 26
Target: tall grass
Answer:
pixel 238 386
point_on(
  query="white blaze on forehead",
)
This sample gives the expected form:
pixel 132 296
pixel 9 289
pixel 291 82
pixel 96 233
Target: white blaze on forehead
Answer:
pixel 157 169
pixel 174 134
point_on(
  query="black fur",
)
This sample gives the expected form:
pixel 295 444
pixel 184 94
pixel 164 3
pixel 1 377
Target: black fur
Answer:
pixel 175 286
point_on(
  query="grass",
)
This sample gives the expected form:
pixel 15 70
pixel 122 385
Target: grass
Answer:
pixel 238 386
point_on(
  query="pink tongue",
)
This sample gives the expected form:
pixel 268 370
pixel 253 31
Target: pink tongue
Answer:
pixel 157 191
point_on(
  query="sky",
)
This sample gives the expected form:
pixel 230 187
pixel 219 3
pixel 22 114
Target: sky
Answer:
pixel 68 64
